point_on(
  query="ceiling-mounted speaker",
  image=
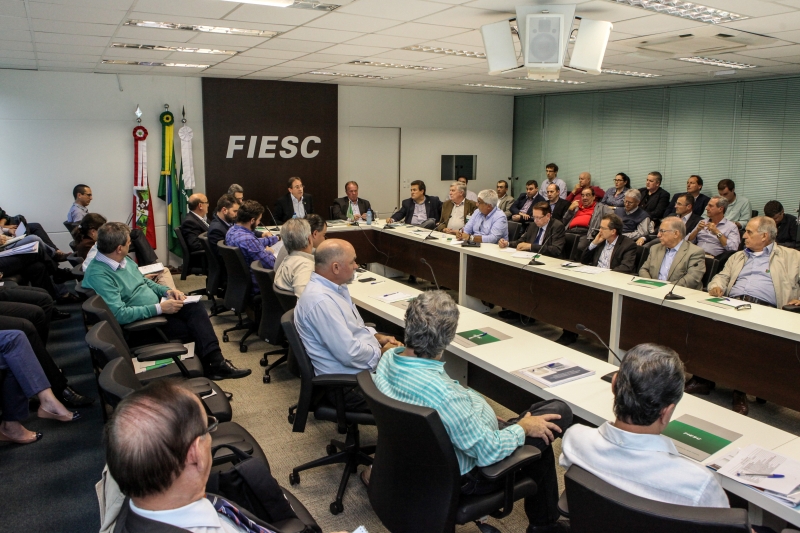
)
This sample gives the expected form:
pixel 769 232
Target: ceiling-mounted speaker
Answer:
pixel 590 46
pixel 545 42
pixel 498 42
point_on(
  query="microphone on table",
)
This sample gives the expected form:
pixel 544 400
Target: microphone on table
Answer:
pixel 391 224
pixel 608 377
pixel 670 295
pixel 277 226
pixel 424 262
pixel 535 260
pixel 428 237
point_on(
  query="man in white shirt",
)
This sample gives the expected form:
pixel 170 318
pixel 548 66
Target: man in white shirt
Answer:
pixel 630 453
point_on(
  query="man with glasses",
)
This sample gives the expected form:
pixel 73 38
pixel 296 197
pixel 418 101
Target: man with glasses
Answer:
pixel 83 197
pixel 673 259
pixel 545 236
pixel 787 224
pixel 195 223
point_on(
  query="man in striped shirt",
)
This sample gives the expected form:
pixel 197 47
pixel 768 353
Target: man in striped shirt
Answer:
pixel 414 374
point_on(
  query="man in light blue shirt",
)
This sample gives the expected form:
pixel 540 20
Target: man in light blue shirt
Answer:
pixel 83 197
pixel 332 331
pixel 716 234
pixel 488 224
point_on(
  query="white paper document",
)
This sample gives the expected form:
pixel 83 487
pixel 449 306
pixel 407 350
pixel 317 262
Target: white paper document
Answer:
pixel 753 465
pixel 524 255
pixel 508 250
pixel 277 248
pixel 393 297
pixel 151 269
pixel 189 299
pixel 457 243
pixel 30 248
pixel 586 269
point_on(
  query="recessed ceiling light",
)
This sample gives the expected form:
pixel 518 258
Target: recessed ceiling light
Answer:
pixel 630 73
pixel 152 64
pixel 347 75
pixel 716 62
pixel 492 86
pixel 393 65
pixel 445 51
pixel 271 3
pixel 195 27
pixel 686 10
pixel 159 48
pixel 568 82
pixel 299 4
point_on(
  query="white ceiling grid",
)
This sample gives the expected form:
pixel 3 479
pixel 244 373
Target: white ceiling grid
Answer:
pixel 76 36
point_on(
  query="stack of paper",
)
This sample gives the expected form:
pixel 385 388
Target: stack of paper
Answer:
pixel 776 475
pixel 586 269
pixel 30 248
pixel 554 373
pixel 151 269
pixel 393 297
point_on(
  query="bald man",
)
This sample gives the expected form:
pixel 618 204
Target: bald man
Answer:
pixel 332 330
pixel 585 180
pixel 195 223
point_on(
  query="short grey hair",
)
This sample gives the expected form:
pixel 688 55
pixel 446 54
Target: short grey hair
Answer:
pixel 461 187
pixel 295 233
pixel 650 378
pixel 675 223
pixel 634 193
pixel 488 196
pixel 722 202
pixel 431 323
pixel 235 188
pixel 111 235
pixel 768 226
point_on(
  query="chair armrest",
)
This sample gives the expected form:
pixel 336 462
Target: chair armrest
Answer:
pixel 336 380
pixel 521 456
pixel 791 308
pixel 146 324
pixel 161 351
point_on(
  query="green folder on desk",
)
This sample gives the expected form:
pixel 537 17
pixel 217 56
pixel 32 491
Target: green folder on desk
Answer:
pixel 649 282
pixel 479 337
pixel 698 439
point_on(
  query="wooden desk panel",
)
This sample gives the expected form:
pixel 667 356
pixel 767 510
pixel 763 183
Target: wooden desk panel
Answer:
pixel 405 255
pixel 365 252
pixel 747 360
pixel 551 300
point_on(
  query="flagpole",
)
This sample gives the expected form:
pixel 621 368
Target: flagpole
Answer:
pixel 166 226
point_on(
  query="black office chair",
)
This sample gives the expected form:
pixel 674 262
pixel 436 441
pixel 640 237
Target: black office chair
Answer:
pixel 215 280
pixel 595 506
pixel 269 324
pixel 415 484
pixel 239 293
pixel 641 252
pixel 330 212
pixel 753 213
pixel 105 346
pixel 312 389
pixel 513 230
pixel 74 259
pixel 193 262
pixel 117 380
pixel 287 300
pixel 71 226
pixel 570 244
pixel 712 267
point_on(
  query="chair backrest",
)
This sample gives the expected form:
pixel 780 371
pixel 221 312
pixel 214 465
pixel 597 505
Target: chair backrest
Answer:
pixel 105 345
pixel 642 251
pixel 71 226
pixel 712 267
pixel 95 310
pixel 239 293
pixel 305 402
pixel 569 245
pixel 513 230
pixel 415 481
pixel 753 213
pixel 214 279
pixel 184 247
pixel 597 507
pixel 330 212
pixel 269 328
pixel 287 299
pixel 116 381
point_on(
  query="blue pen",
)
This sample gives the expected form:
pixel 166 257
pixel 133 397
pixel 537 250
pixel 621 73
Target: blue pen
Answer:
pixel 478 336
pixel 768 476
pixel 387 295
pixel 376 282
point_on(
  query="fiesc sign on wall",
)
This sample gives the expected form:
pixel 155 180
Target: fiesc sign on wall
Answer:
pixel 259 133
pixel 269 145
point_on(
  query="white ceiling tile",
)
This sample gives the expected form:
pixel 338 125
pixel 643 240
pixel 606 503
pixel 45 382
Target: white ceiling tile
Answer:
pixel 750 8
pixel 142 15
pixel 790 36
pixel 331 58
pixel 16 35
pixel 471 39
pixel 69 49
pixel 76 28
pixel 274 15
pixel 405 10
pixel 13 23
pixel 777 52
pixel 404 55
pixel 654 24
pixel 232 67
pixel 424 32
pixel 220 75
pixel 510 5
pixel 358 69
pixel 321 35
pixel 189 57
pixel 292 45
pixel 157 42
pixel 62 68
pixel 272 54
pixel 768 25
pixel 343 21
pixel 221 39
pixel 349 49
pixel 791 59
pixel 213 9
pixel 441 59
pixel 454 46
pixel 605 10
pixel 77 40
pixel 16 54
pixel 68 64
pixel 387 41
pixel 49 56
pixel 132 69
pixel 263 76
pixel 758 61
pixel 12 8
pixel 283 70
pixel 38 10
pixel 17 63
pixel 16 45
pixel 307 65
pixel 123 5
pixel 464 17
pixel 250 61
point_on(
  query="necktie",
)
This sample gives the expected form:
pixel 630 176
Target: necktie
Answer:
pixel 539 236
pixel 227 509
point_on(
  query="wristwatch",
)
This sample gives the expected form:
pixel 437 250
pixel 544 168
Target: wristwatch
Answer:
pixel 719 235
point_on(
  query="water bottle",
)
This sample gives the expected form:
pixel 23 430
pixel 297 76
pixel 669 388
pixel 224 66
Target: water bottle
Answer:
pixel 369 217
pixel 294 216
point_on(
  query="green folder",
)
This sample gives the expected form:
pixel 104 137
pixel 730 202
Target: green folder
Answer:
pixel 653 282
pixel 695 437
pixel 485 339
pixel 159 363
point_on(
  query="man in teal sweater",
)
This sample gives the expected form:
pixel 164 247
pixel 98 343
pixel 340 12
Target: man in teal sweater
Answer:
pixel 132 297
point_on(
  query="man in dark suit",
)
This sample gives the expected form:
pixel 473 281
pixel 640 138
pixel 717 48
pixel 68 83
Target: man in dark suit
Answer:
pixel 654 199
pixel 224 218
pixel 684 209
pixel 293 202
pixel 195 223
pixel 558 206
pixel 611 249
pixel 545 236
pixel 420 209
pixel 351 206
pixel 693 186
pixel 522 208
pixel 786 223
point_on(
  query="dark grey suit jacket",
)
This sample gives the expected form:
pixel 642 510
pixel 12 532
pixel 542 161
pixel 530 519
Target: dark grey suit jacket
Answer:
pixel 341 205
pixel 553 240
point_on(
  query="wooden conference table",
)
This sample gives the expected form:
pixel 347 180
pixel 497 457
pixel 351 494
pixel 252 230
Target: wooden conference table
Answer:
pixel 590 398
pixel 754 350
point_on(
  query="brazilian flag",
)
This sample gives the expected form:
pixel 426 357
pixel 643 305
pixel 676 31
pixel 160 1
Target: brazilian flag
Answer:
pixel 168 182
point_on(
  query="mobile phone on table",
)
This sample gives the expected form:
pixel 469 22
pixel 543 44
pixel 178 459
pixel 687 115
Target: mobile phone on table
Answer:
pixel 364 280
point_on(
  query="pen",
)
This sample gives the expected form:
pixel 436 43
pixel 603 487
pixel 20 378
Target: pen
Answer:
pixel 769 476
pixel 376 282
pixel 387 295
pixel 478 336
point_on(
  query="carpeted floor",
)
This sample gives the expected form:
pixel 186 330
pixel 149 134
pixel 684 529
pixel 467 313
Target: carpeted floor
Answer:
pixel 56 476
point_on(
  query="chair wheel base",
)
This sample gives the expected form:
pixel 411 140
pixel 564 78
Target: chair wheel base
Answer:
pixel 290 418
pixel 243 348
pixel 266 379
pixel 330 449
pixel 294 478
pixel 225 337
pixel 336 507
pixel 263 361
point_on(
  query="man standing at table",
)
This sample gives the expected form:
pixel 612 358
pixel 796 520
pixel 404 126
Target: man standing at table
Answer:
pixel 293 203
pixel 673 259
pixel 544 236
pixel 488 224
pixel 716 234
pixel 456 210
pixel 762 274
pixel 420 209
pixel 551 171
pixel 351 207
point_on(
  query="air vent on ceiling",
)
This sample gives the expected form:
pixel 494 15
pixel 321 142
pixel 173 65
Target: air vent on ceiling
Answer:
pixel 702 41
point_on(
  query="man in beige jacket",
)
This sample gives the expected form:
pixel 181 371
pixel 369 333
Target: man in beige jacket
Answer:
pixel 674 259
pixel 764 273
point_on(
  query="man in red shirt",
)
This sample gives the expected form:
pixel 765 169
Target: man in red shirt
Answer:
pixel 584 217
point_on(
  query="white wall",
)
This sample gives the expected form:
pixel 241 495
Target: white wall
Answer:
pixel 432 124
pixel 58 129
